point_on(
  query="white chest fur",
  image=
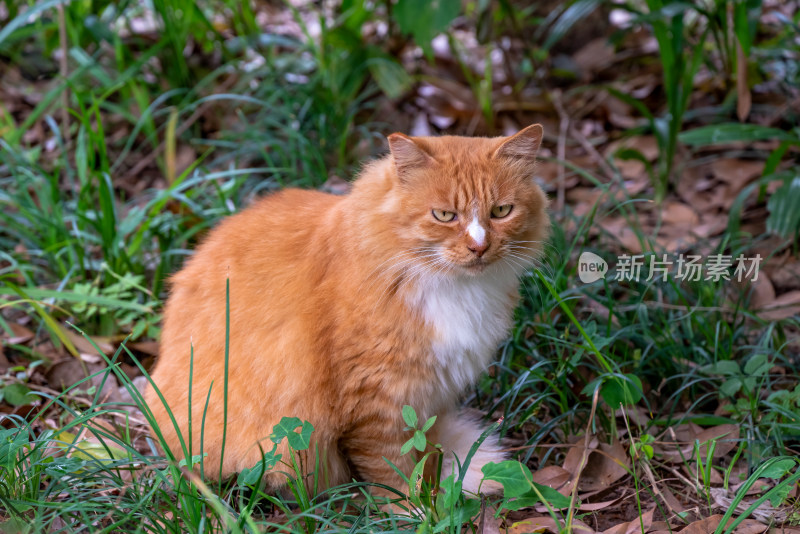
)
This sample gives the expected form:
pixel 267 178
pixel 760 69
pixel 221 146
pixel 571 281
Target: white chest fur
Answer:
pixel 470 316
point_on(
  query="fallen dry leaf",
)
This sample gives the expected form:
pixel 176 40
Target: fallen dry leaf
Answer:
pixel 546 524
pixel 710 524
pixel 784 271
pixel 554 477
pixel 703 526
pixel 783 307
pixel 762 292
pixel 622 232
pixel 67 372
pixel 640 524
pixel 764 514
pixel 679 214
pixel 596 55
pixel 736 172
pixel 596 506
pixel 784 530
pixel 20 334
pixel 674 505
pixel 147 347
pixel 605 464
pixel 84 346
pixel 710 224
pixel 683 445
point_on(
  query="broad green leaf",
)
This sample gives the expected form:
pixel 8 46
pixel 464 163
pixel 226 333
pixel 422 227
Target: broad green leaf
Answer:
pixel 11 441
pixel 18 395
pixel 724 368
pixel 428 424
pixel 407 446
pixel 734 131
pixel 390 76
pixel 419 440
pixel 286 426
pixel 87 450
pixel 425 19
pixel 459 517
pixel 416 477
pixel 286 429
pixel 731 387
pixel 577 11
pixel 778 469
pixel 250 476
pixel 779 494
pixel 552 496
pixel 784 215
pixel 626 391
pixel 515 477
pixel 69 296
pixel 746 14
pixel 451 491
pixel 758 365
pixel 410 416
pixel 555 499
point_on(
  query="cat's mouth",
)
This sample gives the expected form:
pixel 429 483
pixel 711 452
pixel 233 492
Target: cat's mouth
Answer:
pixel 475 266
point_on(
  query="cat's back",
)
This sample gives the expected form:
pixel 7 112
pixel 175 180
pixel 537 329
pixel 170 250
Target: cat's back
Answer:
pixel 272 234
pixel 262 257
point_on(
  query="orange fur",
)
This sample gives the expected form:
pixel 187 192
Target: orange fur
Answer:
pixel 343 309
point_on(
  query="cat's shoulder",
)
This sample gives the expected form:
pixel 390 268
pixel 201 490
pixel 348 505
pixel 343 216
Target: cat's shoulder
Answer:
pixel 293 199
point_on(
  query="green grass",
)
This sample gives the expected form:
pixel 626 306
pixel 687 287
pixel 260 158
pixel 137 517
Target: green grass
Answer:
pixel 78 244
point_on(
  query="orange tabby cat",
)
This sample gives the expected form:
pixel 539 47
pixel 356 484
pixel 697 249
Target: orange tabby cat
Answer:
pixel 345 308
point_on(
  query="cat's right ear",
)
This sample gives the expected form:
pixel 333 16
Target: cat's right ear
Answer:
pixel 408 155
pixel 523 145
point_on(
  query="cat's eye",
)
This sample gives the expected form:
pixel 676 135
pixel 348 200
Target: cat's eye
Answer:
pixel 443 216
pixel 498 212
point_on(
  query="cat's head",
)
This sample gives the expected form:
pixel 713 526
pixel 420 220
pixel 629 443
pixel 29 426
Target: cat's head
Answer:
pixel 468 203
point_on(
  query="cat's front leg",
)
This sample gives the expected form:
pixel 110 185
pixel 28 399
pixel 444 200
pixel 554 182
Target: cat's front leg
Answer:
pixel 371 448
pixel 457 432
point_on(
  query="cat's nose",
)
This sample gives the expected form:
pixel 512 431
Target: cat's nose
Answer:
pixel 478 248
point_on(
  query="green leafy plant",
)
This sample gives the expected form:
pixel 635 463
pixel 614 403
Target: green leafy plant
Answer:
pixel 424 20
pixel 779 468
pixel 519 489
pixel 783 219
pixel 418 441
pixel 680 61
pixel 446 508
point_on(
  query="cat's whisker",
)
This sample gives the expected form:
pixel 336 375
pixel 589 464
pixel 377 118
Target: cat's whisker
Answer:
pixel 532 253
pixel 516 263
pixel 419 270
pixel 384 262
pixel 544 244
pixel 411 252
pixel 535 263
pixel 526 289
pixel 407 257
pixel 532 250
pixel 407 276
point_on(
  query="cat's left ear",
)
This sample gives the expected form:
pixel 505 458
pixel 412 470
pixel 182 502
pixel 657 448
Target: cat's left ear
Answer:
pixel 408 155
pixel 523 145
